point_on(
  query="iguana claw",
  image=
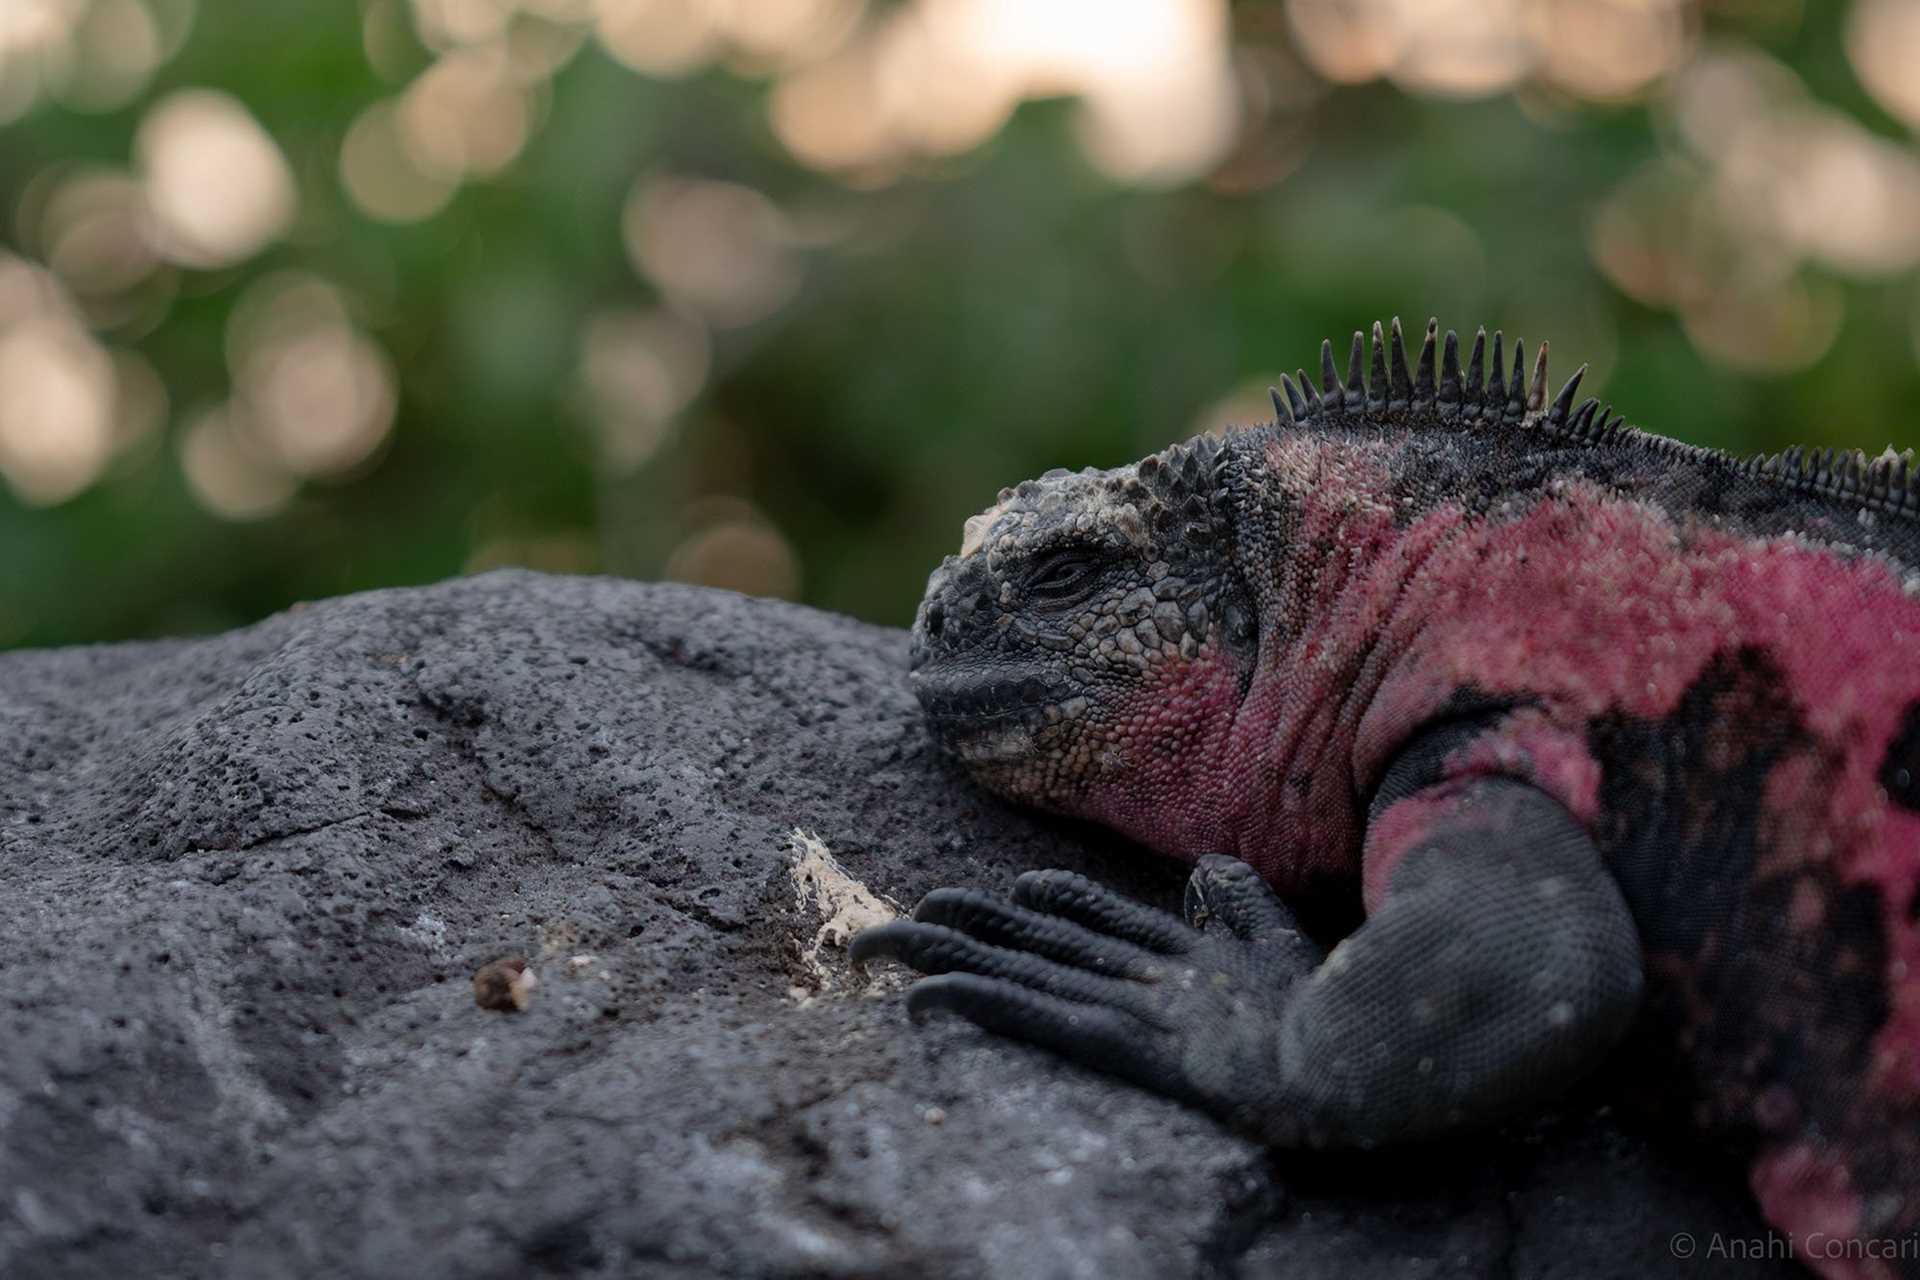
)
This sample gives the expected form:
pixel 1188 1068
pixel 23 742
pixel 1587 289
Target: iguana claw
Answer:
pixel 1187 1008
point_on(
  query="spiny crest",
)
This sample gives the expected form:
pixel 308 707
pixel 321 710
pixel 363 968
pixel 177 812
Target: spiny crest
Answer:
pixel 1184 482
pixel 1181 494
pixel 1434 383
pixel 1489 391
pixel 1889 482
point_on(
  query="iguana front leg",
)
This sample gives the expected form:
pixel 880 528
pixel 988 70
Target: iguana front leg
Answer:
pixel 1499 964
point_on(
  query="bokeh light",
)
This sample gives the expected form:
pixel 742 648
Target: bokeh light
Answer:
pixel 318 394
pixel 1766 326
pixel 380 173
pixel 1604 50
pixel 226 470
pixel 640 368
pixel 218 190
pixel 89 55
pixel 732 545
pixel 718 248
pixel 1883 41
pixel 56 420
pixel 1601 50
pixel 67 403
pixel 466 116
pixel 657 37
pixel 937 77
pixel 91 232
pixel 750 292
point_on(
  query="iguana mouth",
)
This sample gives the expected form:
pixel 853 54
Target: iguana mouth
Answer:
pixel 984 701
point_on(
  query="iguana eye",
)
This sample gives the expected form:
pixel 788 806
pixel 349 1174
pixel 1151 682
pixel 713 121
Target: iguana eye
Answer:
pixel 1062 576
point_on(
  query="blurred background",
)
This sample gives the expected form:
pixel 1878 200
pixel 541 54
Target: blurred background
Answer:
pixel 319 295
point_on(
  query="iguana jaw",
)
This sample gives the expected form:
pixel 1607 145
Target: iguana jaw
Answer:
pixel 981 717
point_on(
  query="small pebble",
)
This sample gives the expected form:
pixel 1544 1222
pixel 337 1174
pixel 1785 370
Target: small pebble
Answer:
pixel 505 985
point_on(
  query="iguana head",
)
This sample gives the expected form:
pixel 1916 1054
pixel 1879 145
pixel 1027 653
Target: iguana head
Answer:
pixel 1087 648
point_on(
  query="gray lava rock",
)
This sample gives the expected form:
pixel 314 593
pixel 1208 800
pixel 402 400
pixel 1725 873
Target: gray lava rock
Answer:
pixel 245 883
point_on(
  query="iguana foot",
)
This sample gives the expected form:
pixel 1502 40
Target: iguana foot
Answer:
pixel 1188 1009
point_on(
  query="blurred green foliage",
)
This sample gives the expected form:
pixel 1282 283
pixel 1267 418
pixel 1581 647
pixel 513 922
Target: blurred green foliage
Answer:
pixel 963 323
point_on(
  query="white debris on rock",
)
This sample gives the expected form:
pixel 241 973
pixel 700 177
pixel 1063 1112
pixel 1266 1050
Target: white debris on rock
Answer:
pixel 845 906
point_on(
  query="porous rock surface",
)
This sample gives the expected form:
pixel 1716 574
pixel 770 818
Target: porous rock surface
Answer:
pixel 245 882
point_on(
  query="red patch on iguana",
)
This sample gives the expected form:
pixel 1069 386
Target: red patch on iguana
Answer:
pixel 1809 1195
pixel 1401 829
pixel 1523 747
pixel 1889 861
pixel 1528 747
pixel 1170 744
pixel 1592 606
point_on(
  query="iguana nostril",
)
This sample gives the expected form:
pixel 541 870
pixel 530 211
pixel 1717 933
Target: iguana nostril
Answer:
pixel 936 618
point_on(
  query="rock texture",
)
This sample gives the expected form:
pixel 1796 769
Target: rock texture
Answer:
pixel 246 882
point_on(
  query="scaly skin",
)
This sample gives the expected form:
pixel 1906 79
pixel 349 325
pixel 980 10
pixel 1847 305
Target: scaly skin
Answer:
pixel 1614 745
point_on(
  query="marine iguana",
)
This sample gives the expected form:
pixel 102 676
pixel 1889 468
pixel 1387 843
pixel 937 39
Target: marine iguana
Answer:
pixel 1612 743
